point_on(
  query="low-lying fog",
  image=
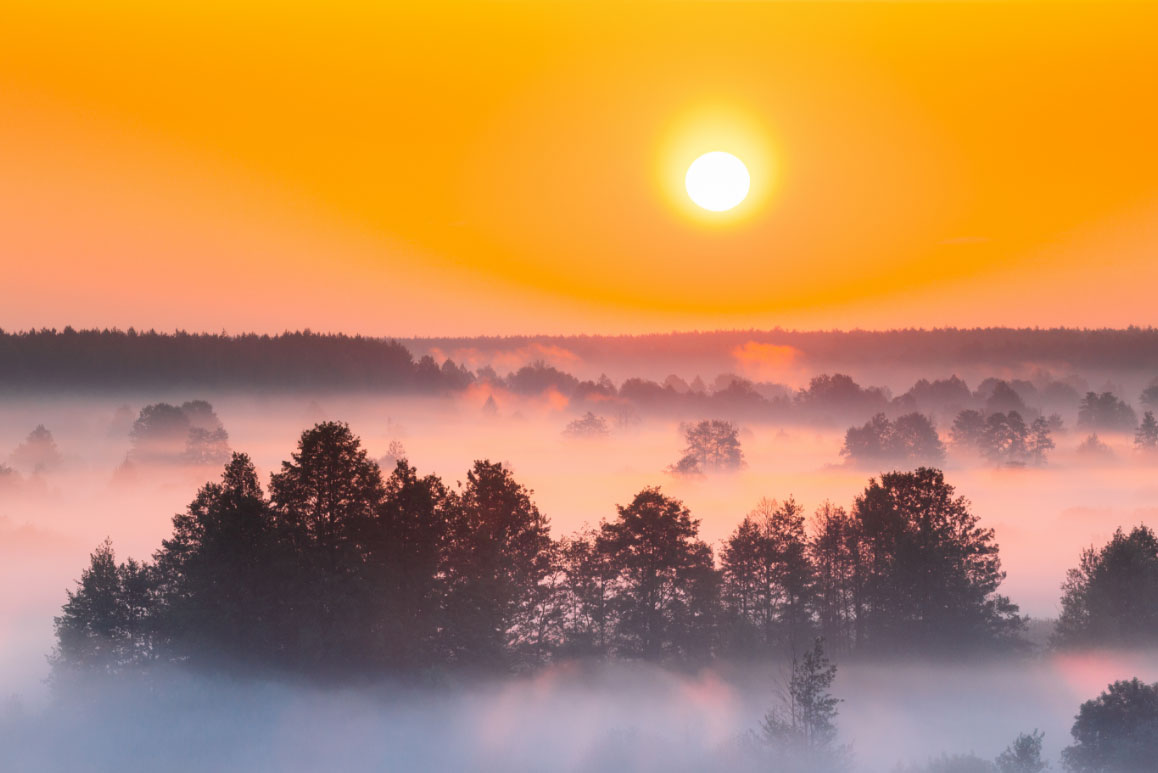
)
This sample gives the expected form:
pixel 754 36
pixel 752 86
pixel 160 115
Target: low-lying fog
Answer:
pixel 611 717
pixel 628 717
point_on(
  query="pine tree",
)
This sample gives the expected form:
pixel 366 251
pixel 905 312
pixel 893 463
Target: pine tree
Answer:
pixel 216 590
pixel 105 626
pixel 803 730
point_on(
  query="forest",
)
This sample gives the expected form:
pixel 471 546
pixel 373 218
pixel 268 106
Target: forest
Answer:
pixel 336 572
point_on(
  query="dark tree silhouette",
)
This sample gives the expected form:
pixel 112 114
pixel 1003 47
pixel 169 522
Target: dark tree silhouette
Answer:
pixel 408 566
pixel 666 589
pixel 838 560
pixel 932 571
pixel 870 443
pixel 325 501
pixel 1111 597
pixel 214 585
pixel 110 359
pixel 339 574
pixel 499 553
pixel 105 626
pixel 767 580
pixel 586 609
pixel 1117 732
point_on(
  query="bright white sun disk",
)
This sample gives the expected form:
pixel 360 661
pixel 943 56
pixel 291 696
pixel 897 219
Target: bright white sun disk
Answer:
pixel 717 181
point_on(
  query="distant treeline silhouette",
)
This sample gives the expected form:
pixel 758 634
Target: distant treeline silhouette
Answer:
pixel 115 359
pixel 1126 349
pixel 335 571
pixel 76 359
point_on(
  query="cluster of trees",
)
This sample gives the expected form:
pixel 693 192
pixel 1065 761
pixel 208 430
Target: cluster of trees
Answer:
pixel 336 570
pixel 1111 596
pixel 711 445
pixel 112 359
pixel 190 433
pixel 1117 732
pixel 1005 438
pixel 1002 438
pixel 1105 412
pixel 910 440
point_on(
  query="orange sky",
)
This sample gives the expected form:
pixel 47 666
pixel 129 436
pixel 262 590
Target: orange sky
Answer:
pixel 461 168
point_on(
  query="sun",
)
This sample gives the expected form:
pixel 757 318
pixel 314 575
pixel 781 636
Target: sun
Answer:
pixel 717 181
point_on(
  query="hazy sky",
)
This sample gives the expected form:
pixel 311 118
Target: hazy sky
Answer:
pixel 455 168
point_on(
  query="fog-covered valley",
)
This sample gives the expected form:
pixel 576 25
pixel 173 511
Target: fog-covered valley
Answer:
pixel 566 715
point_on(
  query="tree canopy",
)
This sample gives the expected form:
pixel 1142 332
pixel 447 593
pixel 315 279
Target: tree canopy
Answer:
pixel 334 570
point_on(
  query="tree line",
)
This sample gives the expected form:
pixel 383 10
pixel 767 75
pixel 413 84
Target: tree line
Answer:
pixel 114 359
pixel 71 359
pixel 335 569
pixel 1124 350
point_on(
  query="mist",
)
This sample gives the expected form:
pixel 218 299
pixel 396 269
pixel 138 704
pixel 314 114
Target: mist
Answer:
pixel 569 715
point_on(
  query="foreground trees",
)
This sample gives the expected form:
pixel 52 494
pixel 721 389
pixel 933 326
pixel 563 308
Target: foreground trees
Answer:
pixel 665 582
pixel 339 571
pixel 497 556
pixel 768 582
pixel 1111 597
pixel 216 578
pixel 1117 732
pixel 910 569
pixel 104 626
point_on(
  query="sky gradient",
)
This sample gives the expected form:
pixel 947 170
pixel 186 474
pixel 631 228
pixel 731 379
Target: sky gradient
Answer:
pixel 451 168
